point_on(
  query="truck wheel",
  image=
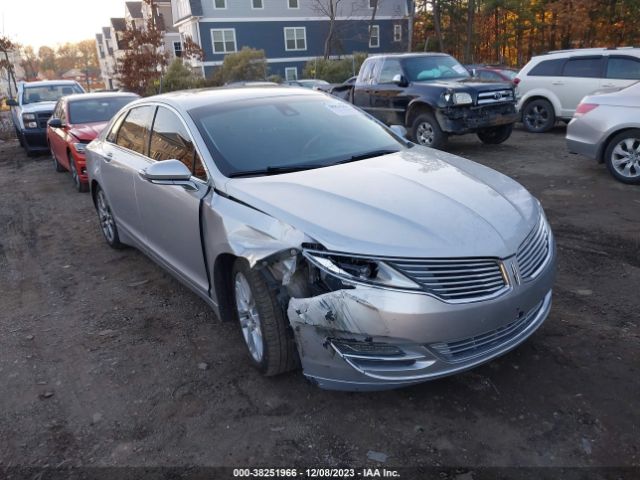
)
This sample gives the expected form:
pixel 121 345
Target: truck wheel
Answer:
pixel 262 321
pixel 538 116
pixel 622 156
pixel 495 135
pixel 426 131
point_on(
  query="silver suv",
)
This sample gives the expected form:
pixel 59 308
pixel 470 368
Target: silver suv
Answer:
pixel 551 85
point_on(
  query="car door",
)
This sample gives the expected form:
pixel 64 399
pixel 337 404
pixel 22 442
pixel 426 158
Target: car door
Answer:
pixel 363 86
pixel 580 77
pixel 123 154
pixel 621 71
pixel 170 214
pixel 387 100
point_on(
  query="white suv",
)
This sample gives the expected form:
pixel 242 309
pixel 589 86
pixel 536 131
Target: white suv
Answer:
pixel 551 85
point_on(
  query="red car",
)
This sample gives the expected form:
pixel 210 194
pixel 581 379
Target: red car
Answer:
pixel 76 121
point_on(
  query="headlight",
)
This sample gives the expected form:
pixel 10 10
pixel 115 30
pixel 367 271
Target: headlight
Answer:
pixel 31 125
pixel 80 147
pixel 360 270
pixel 462 98
pixel 28 116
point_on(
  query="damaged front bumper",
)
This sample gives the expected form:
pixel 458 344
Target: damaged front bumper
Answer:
pixel 459 120
pixel 371 338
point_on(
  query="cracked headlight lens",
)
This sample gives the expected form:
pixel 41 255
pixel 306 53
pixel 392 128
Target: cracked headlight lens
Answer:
pixel 360 270
pixel 462 98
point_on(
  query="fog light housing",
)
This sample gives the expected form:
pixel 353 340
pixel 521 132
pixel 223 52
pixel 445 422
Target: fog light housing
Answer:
pixel 353 347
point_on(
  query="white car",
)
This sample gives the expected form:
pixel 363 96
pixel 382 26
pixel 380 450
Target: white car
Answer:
pixel 552 85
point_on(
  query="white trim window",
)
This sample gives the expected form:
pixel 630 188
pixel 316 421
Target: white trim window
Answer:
pixel 293 4
pixel 295 39
pixel 374 36
pixel 177 49
pixel 291 73
pixel 257 4
pixel 397 32
pixel 372 4
pixel 223 40
pixel 220 4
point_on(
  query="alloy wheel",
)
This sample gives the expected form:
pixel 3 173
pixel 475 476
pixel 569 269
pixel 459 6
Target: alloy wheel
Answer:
pixel 249 317
pixel 425 134
pixel 74 174
pixel 537 116
pixel 625 157
pixel 107 222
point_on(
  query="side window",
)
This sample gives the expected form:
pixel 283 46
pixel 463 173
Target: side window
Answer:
pixel 590 67
pixel 113 133
pixel 171 140
pixel 63 112
pixel 134 131
pixel 623 68
pixel 390 68
pixel 547 68
pixel 365 72
pixel 56 111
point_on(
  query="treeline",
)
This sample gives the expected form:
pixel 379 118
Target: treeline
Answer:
pixel 52 63
pixel 512 31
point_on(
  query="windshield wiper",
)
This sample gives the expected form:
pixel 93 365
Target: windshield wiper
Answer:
pixel 274 170
pixel 364 156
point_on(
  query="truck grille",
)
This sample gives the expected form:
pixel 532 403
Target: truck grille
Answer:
pixel 468 348
pixel 495 96
pixel 42 118
pixel 455 279
pixel 534 251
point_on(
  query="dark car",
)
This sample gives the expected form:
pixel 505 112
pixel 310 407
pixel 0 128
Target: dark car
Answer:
pixel 492 73
pixel 434 96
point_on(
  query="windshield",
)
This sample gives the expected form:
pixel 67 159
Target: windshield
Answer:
pixel 48 93
pixel 298 132
pixel 436 67
pixel 96 109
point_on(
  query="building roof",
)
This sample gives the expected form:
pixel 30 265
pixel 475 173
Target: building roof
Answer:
pixel 135 9
pixel 119 24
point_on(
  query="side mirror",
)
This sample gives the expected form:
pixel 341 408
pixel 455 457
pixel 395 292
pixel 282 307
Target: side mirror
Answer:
pixel 169 172
pixel 11 102
pixel 55 123
pixel 474 72
pixel 399 130
pixel 399 80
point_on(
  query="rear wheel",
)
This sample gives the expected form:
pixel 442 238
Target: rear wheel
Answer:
pixel 495 135
pixel 426 131
pixel 107 220
pixel 538 116
pixel 262 321
pixel 622 156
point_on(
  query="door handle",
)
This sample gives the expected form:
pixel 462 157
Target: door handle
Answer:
pixel 108 157
pixel 557 83
pixel 607 85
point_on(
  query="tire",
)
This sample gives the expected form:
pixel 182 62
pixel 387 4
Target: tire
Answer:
pixel 622 156
pixel 495 135
pixel 538 116
pixel 56 164
pixel 107 220
pixel 73 169
pixel 262 321
pixel 19 138
pixel 426 131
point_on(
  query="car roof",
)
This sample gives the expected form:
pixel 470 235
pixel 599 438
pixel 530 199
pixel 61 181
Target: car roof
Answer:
pixel 577 52
pixel 44 83
pixel 410 55
pixel 97 95
pixel 189 99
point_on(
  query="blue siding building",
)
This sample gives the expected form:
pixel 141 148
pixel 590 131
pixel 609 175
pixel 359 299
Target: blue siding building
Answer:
pixel 291 32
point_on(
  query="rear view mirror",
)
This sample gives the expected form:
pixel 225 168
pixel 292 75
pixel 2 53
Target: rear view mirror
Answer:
pixel 11 102
pixel 399 80
pixel 169 172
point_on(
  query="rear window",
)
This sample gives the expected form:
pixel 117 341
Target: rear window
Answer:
pixel 96 109
pixel 48 93
pixel 547 68
pixel 583 67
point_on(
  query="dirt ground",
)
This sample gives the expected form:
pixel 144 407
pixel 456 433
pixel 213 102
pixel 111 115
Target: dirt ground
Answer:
pixel 107 360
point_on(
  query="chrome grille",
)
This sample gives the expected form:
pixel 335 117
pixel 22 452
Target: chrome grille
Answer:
pixel 495 96
pixel 534 251
pixel 468 348
pixel 455 279
pixel 42 118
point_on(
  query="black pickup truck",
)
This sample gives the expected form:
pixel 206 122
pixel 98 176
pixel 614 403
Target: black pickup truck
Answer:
pixel 433 96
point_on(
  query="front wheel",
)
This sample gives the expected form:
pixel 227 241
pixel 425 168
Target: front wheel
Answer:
pixel 538 116
pixel 262 320
pixel 107 220
pixel 426 131
pixel 79 184
pixel 622 156
pixel 495 135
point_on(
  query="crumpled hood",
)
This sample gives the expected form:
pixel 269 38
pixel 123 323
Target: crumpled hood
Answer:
pixel 415 203
pixel 87 132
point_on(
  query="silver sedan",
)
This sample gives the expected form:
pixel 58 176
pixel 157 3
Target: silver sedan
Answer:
pixel 606 128
pixel 336 245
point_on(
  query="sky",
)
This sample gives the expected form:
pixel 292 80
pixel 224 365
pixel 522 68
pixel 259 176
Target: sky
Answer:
pixel 53 22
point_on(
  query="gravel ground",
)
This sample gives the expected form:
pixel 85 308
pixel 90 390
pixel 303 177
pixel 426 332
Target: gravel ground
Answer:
pixel 106 360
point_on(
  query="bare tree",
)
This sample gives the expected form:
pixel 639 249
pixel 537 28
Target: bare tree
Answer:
pixel 329 9
pixel 7 46
pixel 471 10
